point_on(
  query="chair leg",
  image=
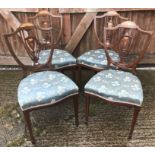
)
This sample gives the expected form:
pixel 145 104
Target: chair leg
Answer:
pixel 74 74
pixel 79 77
pixel 87 103
pixel 76 107
pixel 62 71
pixel 134 119
pixel 95 72
pixel 25 73
pixel 28 124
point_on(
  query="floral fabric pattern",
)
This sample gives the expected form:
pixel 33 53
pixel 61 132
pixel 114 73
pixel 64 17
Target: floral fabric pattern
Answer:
pixel 60 58
pixel 97 58
pixel 116 86
pixel 44 87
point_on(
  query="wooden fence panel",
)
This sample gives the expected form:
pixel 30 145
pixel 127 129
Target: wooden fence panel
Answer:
pixel 145 18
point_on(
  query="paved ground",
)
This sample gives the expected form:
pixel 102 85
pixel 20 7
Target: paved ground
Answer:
pixel 108 126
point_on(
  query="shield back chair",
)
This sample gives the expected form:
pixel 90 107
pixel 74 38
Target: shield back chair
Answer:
pixel 118 86
pixel 30 46
pixel 96 59
pixel 42 88
pixel 62 60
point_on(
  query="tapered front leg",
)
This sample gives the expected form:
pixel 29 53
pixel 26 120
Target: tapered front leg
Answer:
pixel 134 119
pixel 28 124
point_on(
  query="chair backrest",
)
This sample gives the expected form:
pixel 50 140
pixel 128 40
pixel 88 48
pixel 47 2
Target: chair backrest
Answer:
pixel 47 30
pixel 129 41
pixel 108 19
pixel 25 34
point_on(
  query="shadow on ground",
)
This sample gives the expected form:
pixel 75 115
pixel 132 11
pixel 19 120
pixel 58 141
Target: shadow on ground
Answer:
pixel 108 125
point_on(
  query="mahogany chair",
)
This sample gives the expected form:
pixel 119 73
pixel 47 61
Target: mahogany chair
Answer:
pixel 31 48
pixel 42 88
pixel 62 59
pixel 116 85
pixel 96 59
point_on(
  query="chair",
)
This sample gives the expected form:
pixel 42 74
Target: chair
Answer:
pixel 61 60
pixel 42 88
pixel 96 59
pixel 29 45
pixel 118 86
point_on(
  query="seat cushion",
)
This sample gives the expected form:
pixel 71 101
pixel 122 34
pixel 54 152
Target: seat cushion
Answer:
pixel 43 87
pixel 97 58
pixel 116 86
pixel 60 58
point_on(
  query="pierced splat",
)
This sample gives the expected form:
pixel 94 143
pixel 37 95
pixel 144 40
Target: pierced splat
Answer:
pixel 45 24
pixel 124 45
pixel 33 47
pixel 110 23
pixel 108 38
pixel 29 40
pixel 30 43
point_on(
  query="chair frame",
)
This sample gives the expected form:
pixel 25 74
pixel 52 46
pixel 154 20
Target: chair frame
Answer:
pixel 106 16
pixel 136 108
pixel 46 13
pixel 36 68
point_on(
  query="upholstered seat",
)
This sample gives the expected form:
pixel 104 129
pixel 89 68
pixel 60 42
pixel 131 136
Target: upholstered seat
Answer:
pixel 116 86
pixel 96 58
pixel 60 58
pixel 43 87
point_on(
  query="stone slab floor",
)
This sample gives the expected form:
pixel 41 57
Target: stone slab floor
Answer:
pixel 108 125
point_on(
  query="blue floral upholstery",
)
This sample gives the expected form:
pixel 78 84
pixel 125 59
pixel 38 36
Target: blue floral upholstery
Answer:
pixel 60 58
pixel 97 58
pixel 116 86
pixel 44 87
